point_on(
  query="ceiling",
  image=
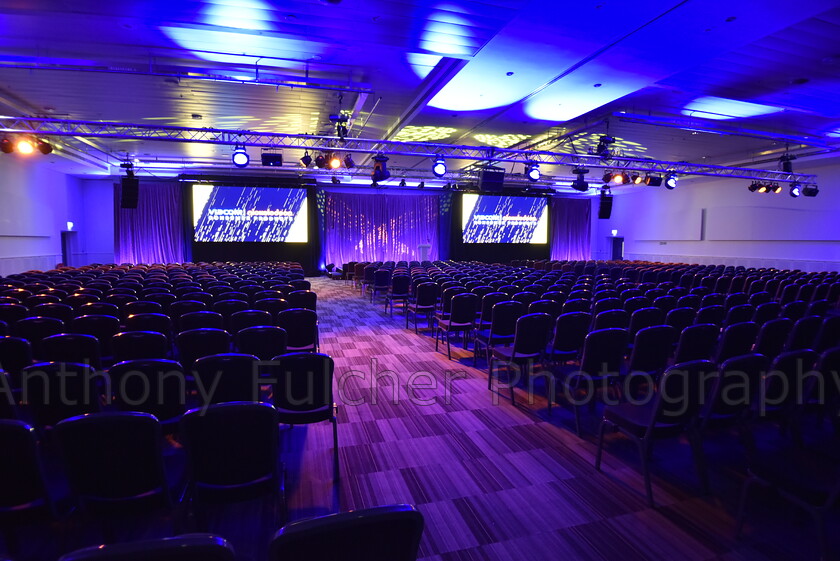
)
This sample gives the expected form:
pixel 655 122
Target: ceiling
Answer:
pixel 702 81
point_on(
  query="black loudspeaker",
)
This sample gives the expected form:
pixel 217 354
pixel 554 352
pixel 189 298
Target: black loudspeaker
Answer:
pixel 605 206
pixel 491 179
pixel 274 159
pixel 129 192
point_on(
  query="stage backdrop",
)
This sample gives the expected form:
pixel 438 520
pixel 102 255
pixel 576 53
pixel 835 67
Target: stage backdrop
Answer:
pixel 379 227
pixel 570 230
pixel 154 231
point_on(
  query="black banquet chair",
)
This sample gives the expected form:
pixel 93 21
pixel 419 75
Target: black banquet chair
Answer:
pixel 227 377
pixel 379 533
pixel 188 547
pixel 302 392
pixel 301 327
pixel 262 341
pixel 154 386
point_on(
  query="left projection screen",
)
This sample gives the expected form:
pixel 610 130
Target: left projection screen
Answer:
pixel 249 214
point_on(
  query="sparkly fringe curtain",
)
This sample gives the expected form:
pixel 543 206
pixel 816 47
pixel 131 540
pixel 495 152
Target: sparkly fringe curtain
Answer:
pixel 154 231
pixel 375 227
pixel 570 228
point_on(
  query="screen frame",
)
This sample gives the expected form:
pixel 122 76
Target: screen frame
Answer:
pixel 461 219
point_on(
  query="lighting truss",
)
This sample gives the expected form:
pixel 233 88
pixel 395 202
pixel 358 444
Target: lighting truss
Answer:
pixel 96 129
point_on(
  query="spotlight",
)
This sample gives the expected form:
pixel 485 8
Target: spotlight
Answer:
pixel 320 161
pixel 754 186
pixel 335 180
pixel 776 188
pixel 402 182
pixel 341 130
pixel 580 183
pixel 348 161
pixel 653 180
pixel 44 147
pixel 810 191
pixel 439 167
pixel 763 187
pixel 671 181
pixel 603 148
pixel 620 178
pixel 421 185
pixel 785 163
pixel 25 146
pixel 533 171
pixel 335 162
pixel 636 179
pixel 239 157
pixel 6 146
pixel 607 176
pixel 380 168
pixel 306 161
pixel 795 190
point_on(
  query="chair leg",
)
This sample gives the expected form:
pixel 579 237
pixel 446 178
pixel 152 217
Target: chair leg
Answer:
pixel 601 428
pixel 489 371
pixel 699 460
pixel 742 505
pixel 336 471
pixel 437 337
pixel 448 346
pixel 644 452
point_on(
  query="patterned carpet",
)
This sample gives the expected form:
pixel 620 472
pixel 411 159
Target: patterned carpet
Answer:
pixel 498 481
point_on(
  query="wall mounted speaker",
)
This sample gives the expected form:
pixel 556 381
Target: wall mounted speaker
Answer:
pixel 605 206
pixel 129 192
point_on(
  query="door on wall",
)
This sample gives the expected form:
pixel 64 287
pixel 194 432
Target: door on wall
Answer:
pixel 617 252
pixel 68 248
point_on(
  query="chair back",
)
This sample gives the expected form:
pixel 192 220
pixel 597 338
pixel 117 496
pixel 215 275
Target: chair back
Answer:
pixel 303 389
pixel 804 333
pixel 652 346
pixel 262 341
pixel 58 390
pixel 23 487
pixel 196 343
pixel 645 317
pixel 149 322
pixel 611 318
pixel 72 347
pixel 379 533
pixel 249 318
pixel 737 385
pixel 189 547
pixel 130 345
pixel 737 339
pixel 772 336
pixel 303 299
pixel 227 377
pixel 697 342
pixel 504 317
pixel 114 460
pixel 301 327
pixel 570 330
pixel 151 385
pixel 15 355
pixel 550 307
pixel 532 332
pixel 603 351
pixel 787 376
pixel 463 308
pixel 426 295
pixel 681 392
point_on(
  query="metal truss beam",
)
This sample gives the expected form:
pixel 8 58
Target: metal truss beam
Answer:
pixel 95 129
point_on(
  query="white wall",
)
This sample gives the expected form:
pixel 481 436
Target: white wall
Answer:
pixel 710 220
pixel 98 230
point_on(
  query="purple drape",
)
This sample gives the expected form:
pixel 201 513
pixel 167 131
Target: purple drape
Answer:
pixel 154 231
pixel 376 227
pixel 569 220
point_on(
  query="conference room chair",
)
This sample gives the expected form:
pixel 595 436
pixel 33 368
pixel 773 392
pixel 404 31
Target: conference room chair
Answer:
pixel 72 347
pixel 652 347
pixel 645 317
pixel 367 278
pixel 385 532
pixel 302 392
pixel 199 296
pixel 558 296
pixel 424 302
pixel 181 307
pixel 502 327
pixel 570 330
pixel 114 466
pixel 140 307
pixel 737 339
pixel 689 301
pixel 803 335
pixel 697 342
pixel 200 319
pixel 119 300
pixel 766 311
pixel 58 390
pixel 249 318
pixel 828 335
pixel 303 299
pixel 35 329
pixel 24 496
pixel 550 307
pixel 611 318
pixel 576 305
pixel 262 341
pixel 783 393
pixel 399 291
pixel 300 284
pixel 99 309
pixel 461 319
pixel 528 348
pixel 232 377
pixel 661 417
pixel 188 547
pixel 80 299
pixel 711 314
pixel 818 308
pixel 680 318
pixel 15 355
pixel 36 299
pixel 525 297
pixel 132 345
pixel 301 326
pixel 154 386
pixel 734 394
pixel 193 344
pixel 228 307
pixel 794 310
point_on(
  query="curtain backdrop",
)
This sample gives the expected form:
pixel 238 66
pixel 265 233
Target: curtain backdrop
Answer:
pixel 375 227
pixel 570 228
pixel 154 231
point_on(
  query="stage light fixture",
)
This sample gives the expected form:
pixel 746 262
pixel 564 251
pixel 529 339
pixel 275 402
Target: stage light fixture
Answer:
pixel 653 180
pixel 533 171
pixel 620 178
pixel 25 146
pixel 421 185
pixel 306 160
pixel 603 148
pixel 785 162
pixel 636 179
pixel 580 183
pixel 607 177
pixel 44 147
pixel 380 168
pixel 763 187
pixel 320 161
pixel 341 130
pixel 402 182
pixel 348 161
pixel 6 146
pixel 335 180
pixel 810 191
pixel 239 158
pixel 671 181
pixel 335 162
pixel 754 186
pixel 775 188
pixel 795 190
pixel 439 167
